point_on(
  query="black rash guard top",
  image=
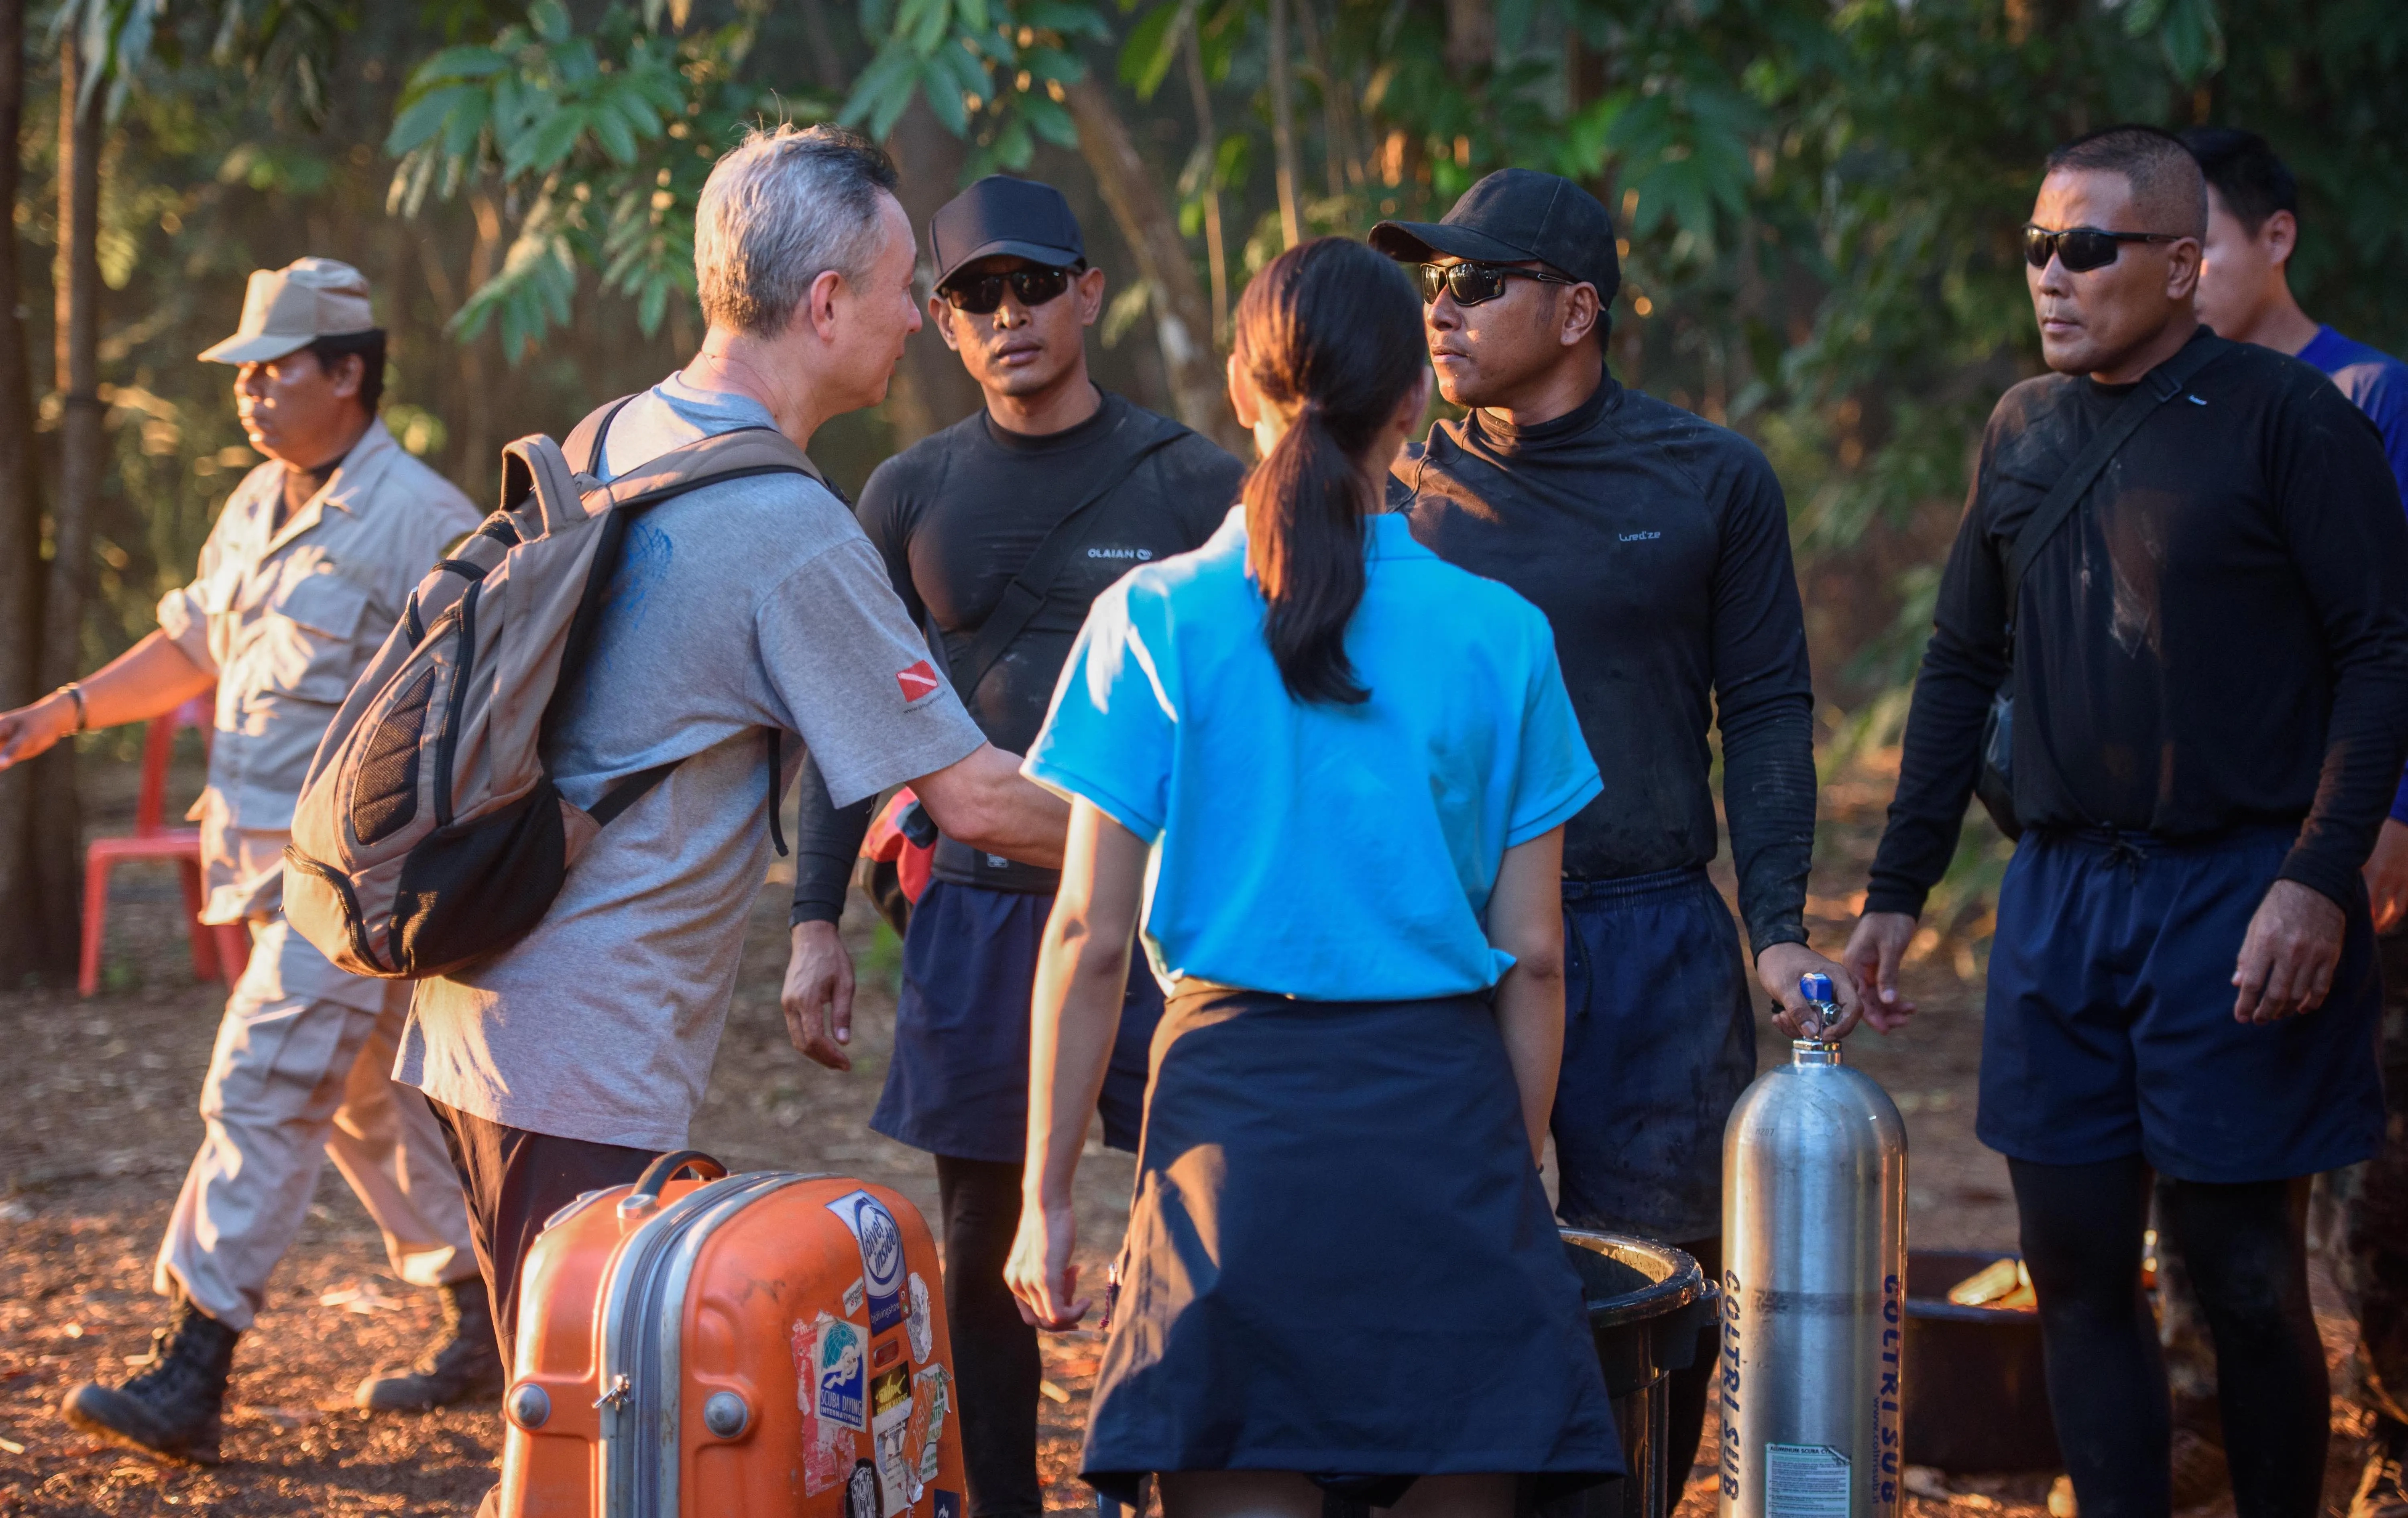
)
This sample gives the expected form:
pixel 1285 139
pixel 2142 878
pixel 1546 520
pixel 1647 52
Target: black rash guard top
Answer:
pixel 956 516
pixel 2217 636
pixel 1657 544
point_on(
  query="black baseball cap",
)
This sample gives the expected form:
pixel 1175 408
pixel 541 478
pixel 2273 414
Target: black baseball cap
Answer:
pixel 1516 216
pixel 1003 215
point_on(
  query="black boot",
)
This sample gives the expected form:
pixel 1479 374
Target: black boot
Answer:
pixel 173 1406
pixel 464 1365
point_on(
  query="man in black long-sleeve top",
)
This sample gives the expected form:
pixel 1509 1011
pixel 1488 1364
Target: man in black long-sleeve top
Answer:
pixel 957 517
pixel 1658 546
pixel 2209 668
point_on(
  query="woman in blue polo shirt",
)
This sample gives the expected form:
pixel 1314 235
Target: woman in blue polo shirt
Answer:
pixel 1334 771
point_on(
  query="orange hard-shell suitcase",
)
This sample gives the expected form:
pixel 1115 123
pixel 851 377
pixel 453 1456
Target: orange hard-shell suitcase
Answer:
pixel 755 1344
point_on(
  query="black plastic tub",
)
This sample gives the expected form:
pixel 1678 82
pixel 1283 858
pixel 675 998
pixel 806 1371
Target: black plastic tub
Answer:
pixel 1648 1304
pixel 1976 1397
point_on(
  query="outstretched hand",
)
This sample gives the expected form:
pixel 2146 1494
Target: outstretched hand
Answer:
pixel 30 731
pixel 1040 1271
pixel 1873 953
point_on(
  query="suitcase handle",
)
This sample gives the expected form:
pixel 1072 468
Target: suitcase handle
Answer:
pixel 663 1170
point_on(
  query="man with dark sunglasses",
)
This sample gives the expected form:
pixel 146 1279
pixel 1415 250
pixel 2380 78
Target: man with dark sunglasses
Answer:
pixel 1658 546
pixel 2185 559
pixel 2244 294
pixel 998 532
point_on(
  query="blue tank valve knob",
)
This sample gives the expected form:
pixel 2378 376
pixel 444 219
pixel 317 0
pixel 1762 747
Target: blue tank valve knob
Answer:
pixel 1815 987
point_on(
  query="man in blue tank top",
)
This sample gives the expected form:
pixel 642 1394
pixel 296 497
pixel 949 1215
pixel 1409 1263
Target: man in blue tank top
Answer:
pixel 1657 544
pixel 2244 294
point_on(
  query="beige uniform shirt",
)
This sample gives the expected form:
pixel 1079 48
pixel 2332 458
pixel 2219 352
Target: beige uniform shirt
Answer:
pixel 286 618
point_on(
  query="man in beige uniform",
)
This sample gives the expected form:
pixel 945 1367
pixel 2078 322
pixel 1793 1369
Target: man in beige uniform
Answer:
pixel 303 575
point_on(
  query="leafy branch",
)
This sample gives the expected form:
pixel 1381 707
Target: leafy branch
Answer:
pixel 605 138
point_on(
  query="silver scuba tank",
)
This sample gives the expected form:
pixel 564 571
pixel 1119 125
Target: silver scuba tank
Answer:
pixel 1813 1287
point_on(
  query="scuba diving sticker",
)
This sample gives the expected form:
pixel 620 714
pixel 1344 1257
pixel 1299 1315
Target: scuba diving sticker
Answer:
pixel 843 1398
pixel 881 1255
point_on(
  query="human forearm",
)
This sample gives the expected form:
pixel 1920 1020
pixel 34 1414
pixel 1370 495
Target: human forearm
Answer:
pixel 984 802
pixel 1525 920
pixel 1940 756
pixel 1083 970
pixel 154 676
pixel 1769 793
pixel 2355 788
pixel 827 840
pixel 1075 1013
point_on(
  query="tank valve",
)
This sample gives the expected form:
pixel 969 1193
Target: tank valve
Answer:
pixel 1821 1007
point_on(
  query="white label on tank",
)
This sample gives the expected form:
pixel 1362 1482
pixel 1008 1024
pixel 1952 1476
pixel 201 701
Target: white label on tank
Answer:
pixel 1805 1480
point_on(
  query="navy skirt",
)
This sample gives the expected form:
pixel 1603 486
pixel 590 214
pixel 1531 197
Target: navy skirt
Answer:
pixel 957 1084
pixel 1341 1259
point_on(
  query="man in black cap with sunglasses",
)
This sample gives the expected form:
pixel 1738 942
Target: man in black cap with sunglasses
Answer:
pixel 1658 546
pixel 2185 560
pixel 998 532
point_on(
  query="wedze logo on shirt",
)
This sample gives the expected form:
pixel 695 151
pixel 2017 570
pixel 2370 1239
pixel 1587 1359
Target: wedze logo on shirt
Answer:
pixel 919 682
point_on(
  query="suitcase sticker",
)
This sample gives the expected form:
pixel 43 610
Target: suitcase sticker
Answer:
pixel 686 1349
pixel 881 1255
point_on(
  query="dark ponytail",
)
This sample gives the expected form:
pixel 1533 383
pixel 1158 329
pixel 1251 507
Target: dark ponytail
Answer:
pixel 1332 331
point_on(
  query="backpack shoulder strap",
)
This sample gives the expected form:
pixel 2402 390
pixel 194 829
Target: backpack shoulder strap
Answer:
pixel 706 461
pixel 2161 384
pixel 1027 594
pixel 582 447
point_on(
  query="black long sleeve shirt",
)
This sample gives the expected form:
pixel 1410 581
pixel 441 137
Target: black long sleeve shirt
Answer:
pixel 1657 544
pixel 2217 636
pixel 956 516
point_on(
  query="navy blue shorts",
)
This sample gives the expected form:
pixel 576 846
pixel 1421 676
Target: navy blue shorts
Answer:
pixel 958 1084
pixel 1659 1041
pixel 2109 1027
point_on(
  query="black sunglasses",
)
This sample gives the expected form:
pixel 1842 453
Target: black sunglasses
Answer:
pixel 980 293
pixel 1473 283
pixel 2081 249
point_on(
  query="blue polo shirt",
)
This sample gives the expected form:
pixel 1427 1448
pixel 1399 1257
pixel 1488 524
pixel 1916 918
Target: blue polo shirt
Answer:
pixel 2377 384
pixel 1331 852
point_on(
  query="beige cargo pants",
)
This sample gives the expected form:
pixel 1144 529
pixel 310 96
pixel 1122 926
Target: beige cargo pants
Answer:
pixel 302 1074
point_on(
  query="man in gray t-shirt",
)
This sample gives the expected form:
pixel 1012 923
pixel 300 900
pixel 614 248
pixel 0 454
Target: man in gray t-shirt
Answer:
pixel 565 1063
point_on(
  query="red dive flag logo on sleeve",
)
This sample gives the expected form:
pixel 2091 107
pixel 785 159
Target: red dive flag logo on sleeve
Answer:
pixel 917 681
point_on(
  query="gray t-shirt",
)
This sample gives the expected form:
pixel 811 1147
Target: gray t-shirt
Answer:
pixel 735 608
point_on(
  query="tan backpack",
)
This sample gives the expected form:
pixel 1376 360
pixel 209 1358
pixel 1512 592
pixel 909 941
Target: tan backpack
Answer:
pixel 429 833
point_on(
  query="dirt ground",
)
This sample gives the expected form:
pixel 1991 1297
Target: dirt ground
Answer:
pixel 101 1125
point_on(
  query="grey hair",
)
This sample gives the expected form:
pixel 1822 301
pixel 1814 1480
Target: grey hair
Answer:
pixel 782 207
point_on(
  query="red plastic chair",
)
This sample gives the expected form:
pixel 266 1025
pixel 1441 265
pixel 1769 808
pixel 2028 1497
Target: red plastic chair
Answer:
pixel 221 950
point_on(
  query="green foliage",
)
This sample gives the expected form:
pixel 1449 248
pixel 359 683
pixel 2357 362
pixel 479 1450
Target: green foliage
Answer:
pixel 991 70
pixel 604 137
pixel 290 44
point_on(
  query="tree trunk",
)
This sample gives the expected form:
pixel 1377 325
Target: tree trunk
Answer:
pixel 1470 38
pixel 1182 321
pixel 1337 142
pixel 36 931
pixel 57 820
pixel 1215 245
pixel 479 451
pixel 933 389
pixel 1284 129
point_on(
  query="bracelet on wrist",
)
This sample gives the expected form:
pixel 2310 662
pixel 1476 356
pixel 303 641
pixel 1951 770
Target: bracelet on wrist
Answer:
pixel 74 691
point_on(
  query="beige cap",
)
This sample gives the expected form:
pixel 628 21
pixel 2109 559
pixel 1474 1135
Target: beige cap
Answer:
pixel 291 308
